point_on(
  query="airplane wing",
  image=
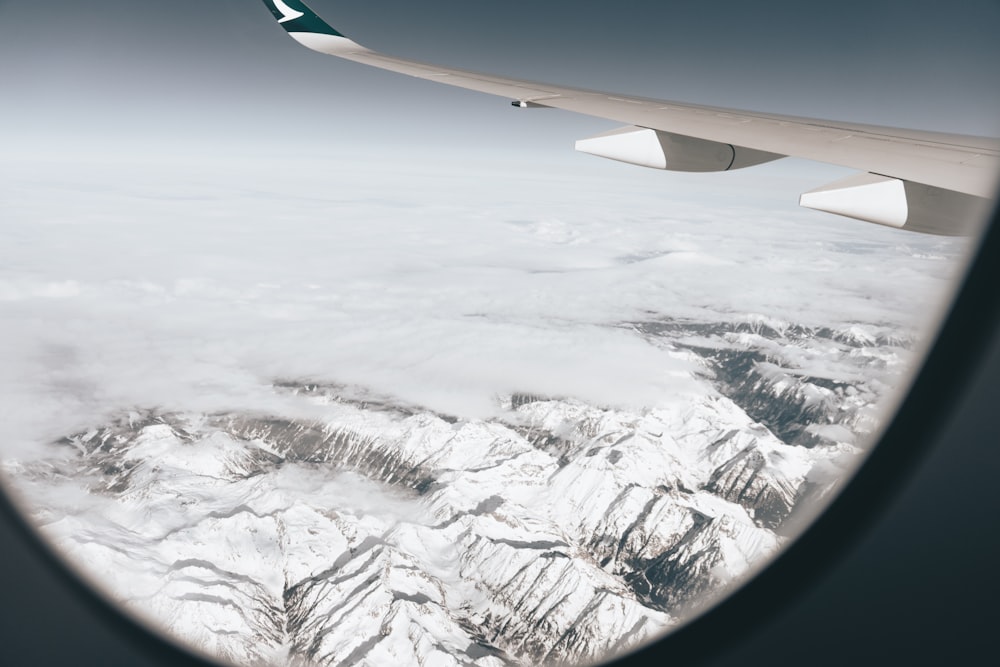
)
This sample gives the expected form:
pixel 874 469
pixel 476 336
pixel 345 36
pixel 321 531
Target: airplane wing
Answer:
pixel 929 182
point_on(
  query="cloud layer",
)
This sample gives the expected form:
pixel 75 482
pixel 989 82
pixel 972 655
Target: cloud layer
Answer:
pixel 195 283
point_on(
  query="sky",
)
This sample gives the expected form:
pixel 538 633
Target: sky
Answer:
pixel 223 74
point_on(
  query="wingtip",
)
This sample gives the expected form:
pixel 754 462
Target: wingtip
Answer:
pixel 296 17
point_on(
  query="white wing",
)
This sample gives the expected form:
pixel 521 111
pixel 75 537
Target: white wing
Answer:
pixel 922 181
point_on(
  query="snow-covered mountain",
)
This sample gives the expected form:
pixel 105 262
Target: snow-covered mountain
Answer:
pixel 385 533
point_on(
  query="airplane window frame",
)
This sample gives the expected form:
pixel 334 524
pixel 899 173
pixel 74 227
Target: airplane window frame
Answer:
pixel 971 323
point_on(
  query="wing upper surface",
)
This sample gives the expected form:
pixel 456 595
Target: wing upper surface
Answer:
pixel 959 163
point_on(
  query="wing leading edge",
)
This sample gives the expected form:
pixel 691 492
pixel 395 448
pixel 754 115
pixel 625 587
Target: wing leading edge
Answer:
pixel 929 182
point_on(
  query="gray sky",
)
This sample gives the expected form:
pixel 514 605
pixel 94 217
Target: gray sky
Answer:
pixel 114 73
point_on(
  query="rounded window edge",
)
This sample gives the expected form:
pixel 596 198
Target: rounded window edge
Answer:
pixel 970 325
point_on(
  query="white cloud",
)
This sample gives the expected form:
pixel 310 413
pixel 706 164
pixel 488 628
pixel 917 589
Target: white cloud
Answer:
pixel 194 283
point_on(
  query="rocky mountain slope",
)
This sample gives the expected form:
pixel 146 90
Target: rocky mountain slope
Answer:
pixel 382 533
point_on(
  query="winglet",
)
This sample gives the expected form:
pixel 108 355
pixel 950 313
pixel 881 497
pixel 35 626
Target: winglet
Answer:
pixel 309 30
pixel 295 17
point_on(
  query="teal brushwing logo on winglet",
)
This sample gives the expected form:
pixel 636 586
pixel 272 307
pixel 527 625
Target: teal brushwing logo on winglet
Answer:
pixel 295 16
pixel 287 13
